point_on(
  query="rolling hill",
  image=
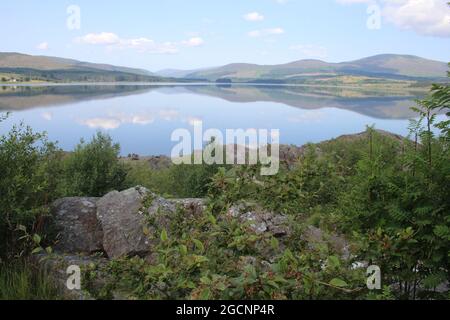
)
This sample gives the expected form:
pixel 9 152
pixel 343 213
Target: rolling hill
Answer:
pixel 380 70
pixel 24 67
pixel 386 66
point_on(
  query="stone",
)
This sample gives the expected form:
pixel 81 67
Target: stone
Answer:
pixel 125 218
pixel 79 230
pixel 316 236
pixel 123 222
pixel 261 221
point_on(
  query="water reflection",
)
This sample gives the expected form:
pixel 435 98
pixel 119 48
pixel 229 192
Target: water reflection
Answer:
pixel 142 117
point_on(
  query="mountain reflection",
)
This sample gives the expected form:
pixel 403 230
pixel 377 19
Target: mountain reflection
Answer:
pixel 376 104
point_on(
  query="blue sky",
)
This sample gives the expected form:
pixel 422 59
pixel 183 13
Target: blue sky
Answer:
pixel 201 33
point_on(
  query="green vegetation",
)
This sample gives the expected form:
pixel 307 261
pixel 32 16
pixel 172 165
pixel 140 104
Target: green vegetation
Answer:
pixel 93 169
pixel 387 195
pixel 26 281
pixel 208 258
pixel 16 67
pixel 378 68
pixel 183 181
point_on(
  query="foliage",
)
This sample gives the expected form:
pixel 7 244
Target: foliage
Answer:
pixel 181 181
pixel 30 171
pixel 209 258
pixel 93 169
pixel 26 281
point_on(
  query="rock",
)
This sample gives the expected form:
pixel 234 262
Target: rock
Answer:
pixel 123 221
pixel 125 215
pixel 57 266
pixel 257 223
pixel 261 221
pixel 192 206
pixel 79 230
pixel 315 236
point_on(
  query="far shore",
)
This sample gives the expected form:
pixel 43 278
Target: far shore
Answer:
pixel 379 87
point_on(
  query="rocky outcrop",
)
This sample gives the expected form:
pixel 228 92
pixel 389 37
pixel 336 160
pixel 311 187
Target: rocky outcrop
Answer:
pixel 315 236
pixel 117 223
pixel 261 221
pixel 123 221
pixel 76 223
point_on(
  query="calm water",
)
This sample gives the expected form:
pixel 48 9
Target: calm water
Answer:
pixel 142 118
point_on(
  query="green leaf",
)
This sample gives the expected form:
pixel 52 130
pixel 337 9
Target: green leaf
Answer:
pixel 22 228
pixel 36 250
pixel 205 294
pixel 212 219
pixel 336 282
pixel 164 236
pixel 442 231
pixel 36 239
pixel 199 245
pixel 274 243
pixel 205 280
pixel 334 262
pixel 183 250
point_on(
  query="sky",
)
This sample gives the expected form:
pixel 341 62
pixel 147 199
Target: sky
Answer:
pixel 182 34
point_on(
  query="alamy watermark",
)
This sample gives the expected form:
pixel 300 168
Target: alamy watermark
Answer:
pixel 238 147
pixel 374 278
pixel 375 17
pixel 73 21
pixel 74 278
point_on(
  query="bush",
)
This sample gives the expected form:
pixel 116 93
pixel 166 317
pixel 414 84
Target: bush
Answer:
pixel 28 182
pixel 93 169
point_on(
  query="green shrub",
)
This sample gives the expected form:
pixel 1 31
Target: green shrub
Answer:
pixel 28 182
pixel 94 169
pixel 207 258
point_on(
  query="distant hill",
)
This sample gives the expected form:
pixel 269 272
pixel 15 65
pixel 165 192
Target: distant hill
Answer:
pixel 26 68
pixel 386 66
pixel 376 70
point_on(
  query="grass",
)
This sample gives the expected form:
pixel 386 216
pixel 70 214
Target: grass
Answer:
pixel 22 280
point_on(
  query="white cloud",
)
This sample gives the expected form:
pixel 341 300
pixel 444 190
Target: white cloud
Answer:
pixel 425 17
pixel 254 16
pixel 311 51
pixel 142 44
pixel 113 120
pixel 146 45
pixel 42 46
pixel 266 32
pixel 99 38
pixel 169 114
pixel 47 116
pixel 102 123
pixel 194 42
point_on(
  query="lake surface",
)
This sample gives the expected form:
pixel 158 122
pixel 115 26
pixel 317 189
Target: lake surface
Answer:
pixel 142 117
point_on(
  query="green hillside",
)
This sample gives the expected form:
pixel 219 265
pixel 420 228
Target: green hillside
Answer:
pixel 388 66
pixel 17 67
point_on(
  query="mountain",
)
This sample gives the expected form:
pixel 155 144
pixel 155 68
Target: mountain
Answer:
pixel 21 66
pixel 386 66
pixel 384 70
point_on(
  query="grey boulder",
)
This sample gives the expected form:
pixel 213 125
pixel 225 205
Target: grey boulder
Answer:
pixel 123 221
pixel 75 220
